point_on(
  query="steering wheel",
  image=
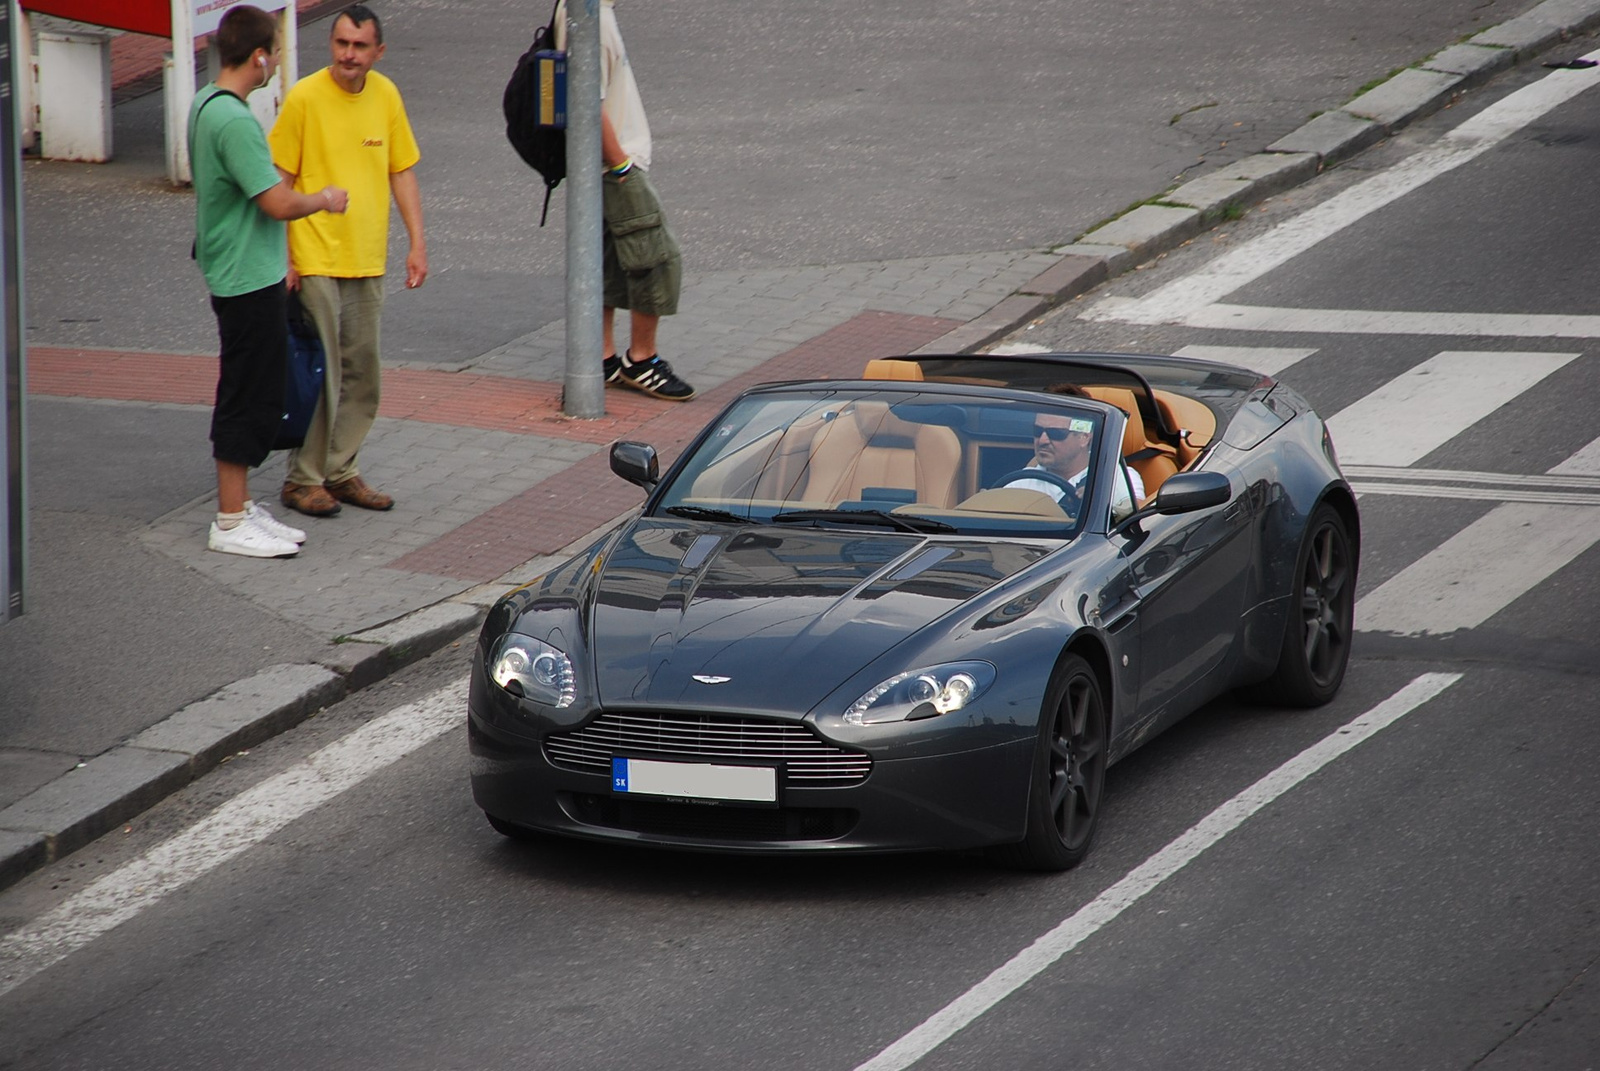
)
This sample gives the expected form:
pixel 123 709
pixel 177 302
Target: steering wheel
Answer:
pixel 1070 498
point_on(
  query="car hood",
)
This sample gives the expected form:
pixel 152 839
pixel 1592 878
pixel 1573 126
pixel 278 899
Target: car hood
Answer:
pixel 771 619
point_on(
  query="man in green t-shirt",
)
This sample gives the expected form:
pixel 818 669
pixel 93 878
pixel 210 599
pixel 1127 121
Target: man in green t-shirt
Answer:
pixel 241 205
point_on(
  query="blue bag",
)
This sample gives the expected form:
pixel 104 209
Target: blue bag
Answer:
pixel 302 387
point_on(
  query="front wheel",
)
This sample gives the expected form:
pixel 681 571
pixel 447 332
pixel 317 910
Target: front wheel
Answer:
pixel 1316 638
pixel 1069 773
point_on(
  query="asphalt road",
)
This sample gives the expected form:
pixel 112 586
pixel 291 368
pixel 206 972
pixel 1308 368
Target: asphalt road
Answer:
pixel 1425 900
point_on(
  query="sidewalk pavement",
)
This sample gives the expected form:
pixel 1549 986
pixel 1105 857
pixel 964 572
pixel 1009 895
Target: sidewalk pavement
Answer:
pixel 493 484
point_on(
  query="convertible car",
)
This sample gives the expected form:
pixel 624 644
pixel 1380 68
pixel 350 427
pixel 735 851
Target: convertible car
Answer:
pixel 893 614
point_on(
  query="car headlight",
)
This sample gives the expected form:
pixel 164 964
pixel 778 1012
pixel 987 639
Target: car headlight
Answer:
pixel 922 693
pixel 533 669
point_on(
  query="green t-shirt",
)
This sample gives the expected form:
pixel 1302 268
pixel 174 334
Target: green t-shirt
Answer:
pixel 239 247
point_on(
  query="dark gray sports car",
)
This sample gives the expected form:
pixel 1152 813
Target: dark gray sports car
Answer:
pixel 926 609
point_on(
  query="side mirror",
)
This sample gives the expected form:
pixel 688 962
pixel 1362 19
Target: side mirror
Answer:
pixel 636 463
pixel 1183 492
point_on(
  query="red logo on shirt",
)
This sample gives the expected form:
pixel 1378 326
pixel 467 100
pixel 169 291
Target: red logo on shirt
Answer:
pixel 372 143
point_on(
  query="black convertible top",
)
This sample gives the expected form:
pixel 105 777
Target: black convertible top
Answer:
pixel 1221 387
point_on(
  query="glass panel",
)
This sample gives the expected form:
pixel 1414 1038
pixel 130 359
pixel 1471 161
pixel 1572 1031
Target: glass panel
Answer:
pixel 932 461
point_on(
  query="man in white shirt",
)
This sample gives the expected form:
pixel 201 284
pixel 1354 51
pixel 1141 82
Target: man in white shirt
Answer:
pixel 1061 447
pixel 643 267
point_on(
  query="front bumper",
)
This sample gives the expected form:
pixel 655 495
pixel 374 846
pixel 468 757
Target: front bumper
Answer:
pixel 952 800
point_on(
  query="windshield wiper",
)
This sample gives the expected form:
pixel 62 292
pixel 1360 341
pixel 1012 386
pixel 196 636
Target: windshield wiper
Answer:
pixel 706 513
pixel 879 517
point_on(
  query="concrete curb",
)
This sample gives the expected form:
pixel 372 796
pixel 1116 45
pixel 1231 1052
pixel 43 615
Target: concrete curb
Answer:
pixel 1166 222
pixel 113 787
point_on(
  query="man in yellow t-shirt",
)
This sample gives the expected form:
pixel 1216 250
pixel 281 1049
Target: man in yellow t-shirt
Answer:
pixel 347 120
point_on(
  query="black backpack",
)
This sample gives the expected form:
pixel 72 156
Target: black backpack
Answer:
pixel 543 148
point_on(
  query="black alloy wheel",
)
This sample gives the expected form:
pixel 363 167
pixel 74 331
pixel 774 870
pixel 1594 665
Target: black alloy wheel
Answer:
pixel 1316 641
pixel 1069 774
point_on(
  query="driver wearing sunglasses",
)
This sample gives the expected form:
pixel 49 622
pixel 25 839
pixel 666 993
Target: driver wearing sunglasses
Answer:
pixel 1061 447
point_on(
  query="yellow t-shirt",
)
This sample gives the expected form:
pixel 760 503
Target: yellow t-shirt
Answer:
pixel 327 137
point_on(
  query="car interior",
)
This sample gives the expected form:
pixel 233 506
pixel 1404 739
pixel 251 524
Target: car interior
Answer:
pixel 939 460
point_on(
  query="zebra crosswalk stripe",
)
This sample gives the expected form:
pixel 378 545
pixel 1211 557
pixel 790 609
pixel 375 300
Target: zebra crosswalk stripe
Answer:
pixel 1268 360
pixel 1476 573
pixel 1416 413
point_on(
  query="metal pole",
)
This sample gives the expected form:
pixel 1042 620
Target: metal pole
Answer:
pixel 178 92
pixel 13 359
pixel 584 396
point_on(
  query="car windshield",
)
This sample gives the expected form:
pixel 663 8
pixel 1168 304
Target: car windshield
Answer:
pixel 903 460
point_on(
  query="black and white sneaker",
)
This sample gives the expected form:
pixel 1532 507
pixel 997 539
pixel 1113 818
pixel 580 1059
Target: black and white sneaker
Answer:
pixel 613 370
pixel 655 376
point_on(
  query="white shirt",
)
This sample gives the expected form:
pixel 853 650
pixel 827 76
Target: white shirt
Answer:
pixel 619 93
pixel 1055 492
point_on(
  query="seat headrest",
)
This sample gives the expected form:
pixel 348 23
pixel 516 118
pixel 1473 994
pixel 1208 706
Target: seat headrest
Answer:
pixel 1133 437
pixel 885 368
pixel 874 421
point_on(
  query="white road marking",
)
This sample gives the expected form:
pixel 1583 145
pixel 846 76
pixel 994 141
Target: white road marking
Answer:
pixel 1006 349
pixel 235 827
pixel 1379 322
pixel 1567 476
pixel 1181 299
pixel 1268 360
pixel 1479 571
pixel 1416 413
pixel 1511 550
pixel 1585 462
pixel 1105 908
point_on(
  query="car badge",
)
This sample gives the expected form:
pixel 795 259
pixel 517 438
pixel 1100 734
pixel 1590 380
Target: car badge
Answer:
pixel 711 678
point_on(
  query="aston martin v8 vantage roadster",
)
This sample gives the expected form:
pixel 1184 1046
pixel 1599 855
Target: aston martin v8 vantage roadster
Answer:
pixel 926 609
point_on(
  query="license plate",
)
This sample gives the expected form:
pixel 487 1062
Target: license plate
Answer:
pixel 694 780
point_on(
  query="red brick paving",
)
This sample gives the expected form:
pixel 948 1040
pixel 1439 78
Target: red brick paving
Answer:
pixel 554 512
pixel 122 374
pixel 558 510
pixel 493 403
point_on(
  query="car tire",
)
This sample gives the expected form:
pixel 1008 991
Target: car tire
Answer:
pixel 1321 617
pixel 1069 771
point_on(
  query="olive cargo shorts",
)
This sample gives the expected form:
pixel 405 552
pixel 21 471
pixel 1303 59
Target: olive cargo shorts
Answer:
pixel 642 264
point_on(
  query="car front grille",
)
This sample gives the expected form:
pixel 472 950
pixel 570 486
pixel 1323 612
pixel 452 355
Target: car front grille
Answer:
pixel 805 759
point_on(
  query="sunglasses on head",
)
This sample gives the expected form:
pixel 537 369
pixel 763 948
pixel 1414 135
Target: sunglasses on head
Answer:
pixel 1055 435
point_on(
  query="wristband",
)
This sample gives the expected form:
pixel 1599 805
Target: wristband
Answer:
pixel 621 169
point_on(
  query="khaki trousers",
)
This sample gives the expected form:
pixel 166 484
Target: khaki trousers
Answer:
pixel 346 312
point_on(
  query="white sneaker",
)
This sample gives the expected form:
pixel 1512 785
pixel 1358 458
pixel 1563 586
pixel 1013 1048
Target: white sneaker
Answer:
pixel 251 540
pixel 258 513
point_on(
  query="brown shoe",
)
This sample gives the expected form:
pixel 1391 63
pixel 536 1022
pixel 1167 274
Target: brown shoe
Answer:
pixel 356 491
pixel 310 499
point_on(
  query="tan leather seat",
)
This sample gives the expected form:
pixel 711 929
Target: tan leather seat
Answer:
pixel 887 368
pixel 1153 461
pixel 868 446
pixel 1195 423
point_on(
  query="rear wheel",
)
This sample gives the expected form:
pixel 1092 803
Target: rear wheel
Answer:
pixel 1316 639
pixel 1069 773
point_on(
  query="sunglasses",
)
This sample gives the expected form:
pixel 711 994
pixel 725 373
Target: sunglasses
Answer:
pixel 1055 435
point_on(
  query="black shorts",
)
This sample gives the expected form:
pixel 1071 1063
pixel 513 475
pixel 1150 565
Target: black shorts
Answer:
pixel 255 345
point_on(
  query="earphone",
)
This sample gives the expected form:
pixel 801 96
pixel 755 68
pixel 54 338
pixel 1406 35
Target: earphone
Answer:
pixel 261 60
